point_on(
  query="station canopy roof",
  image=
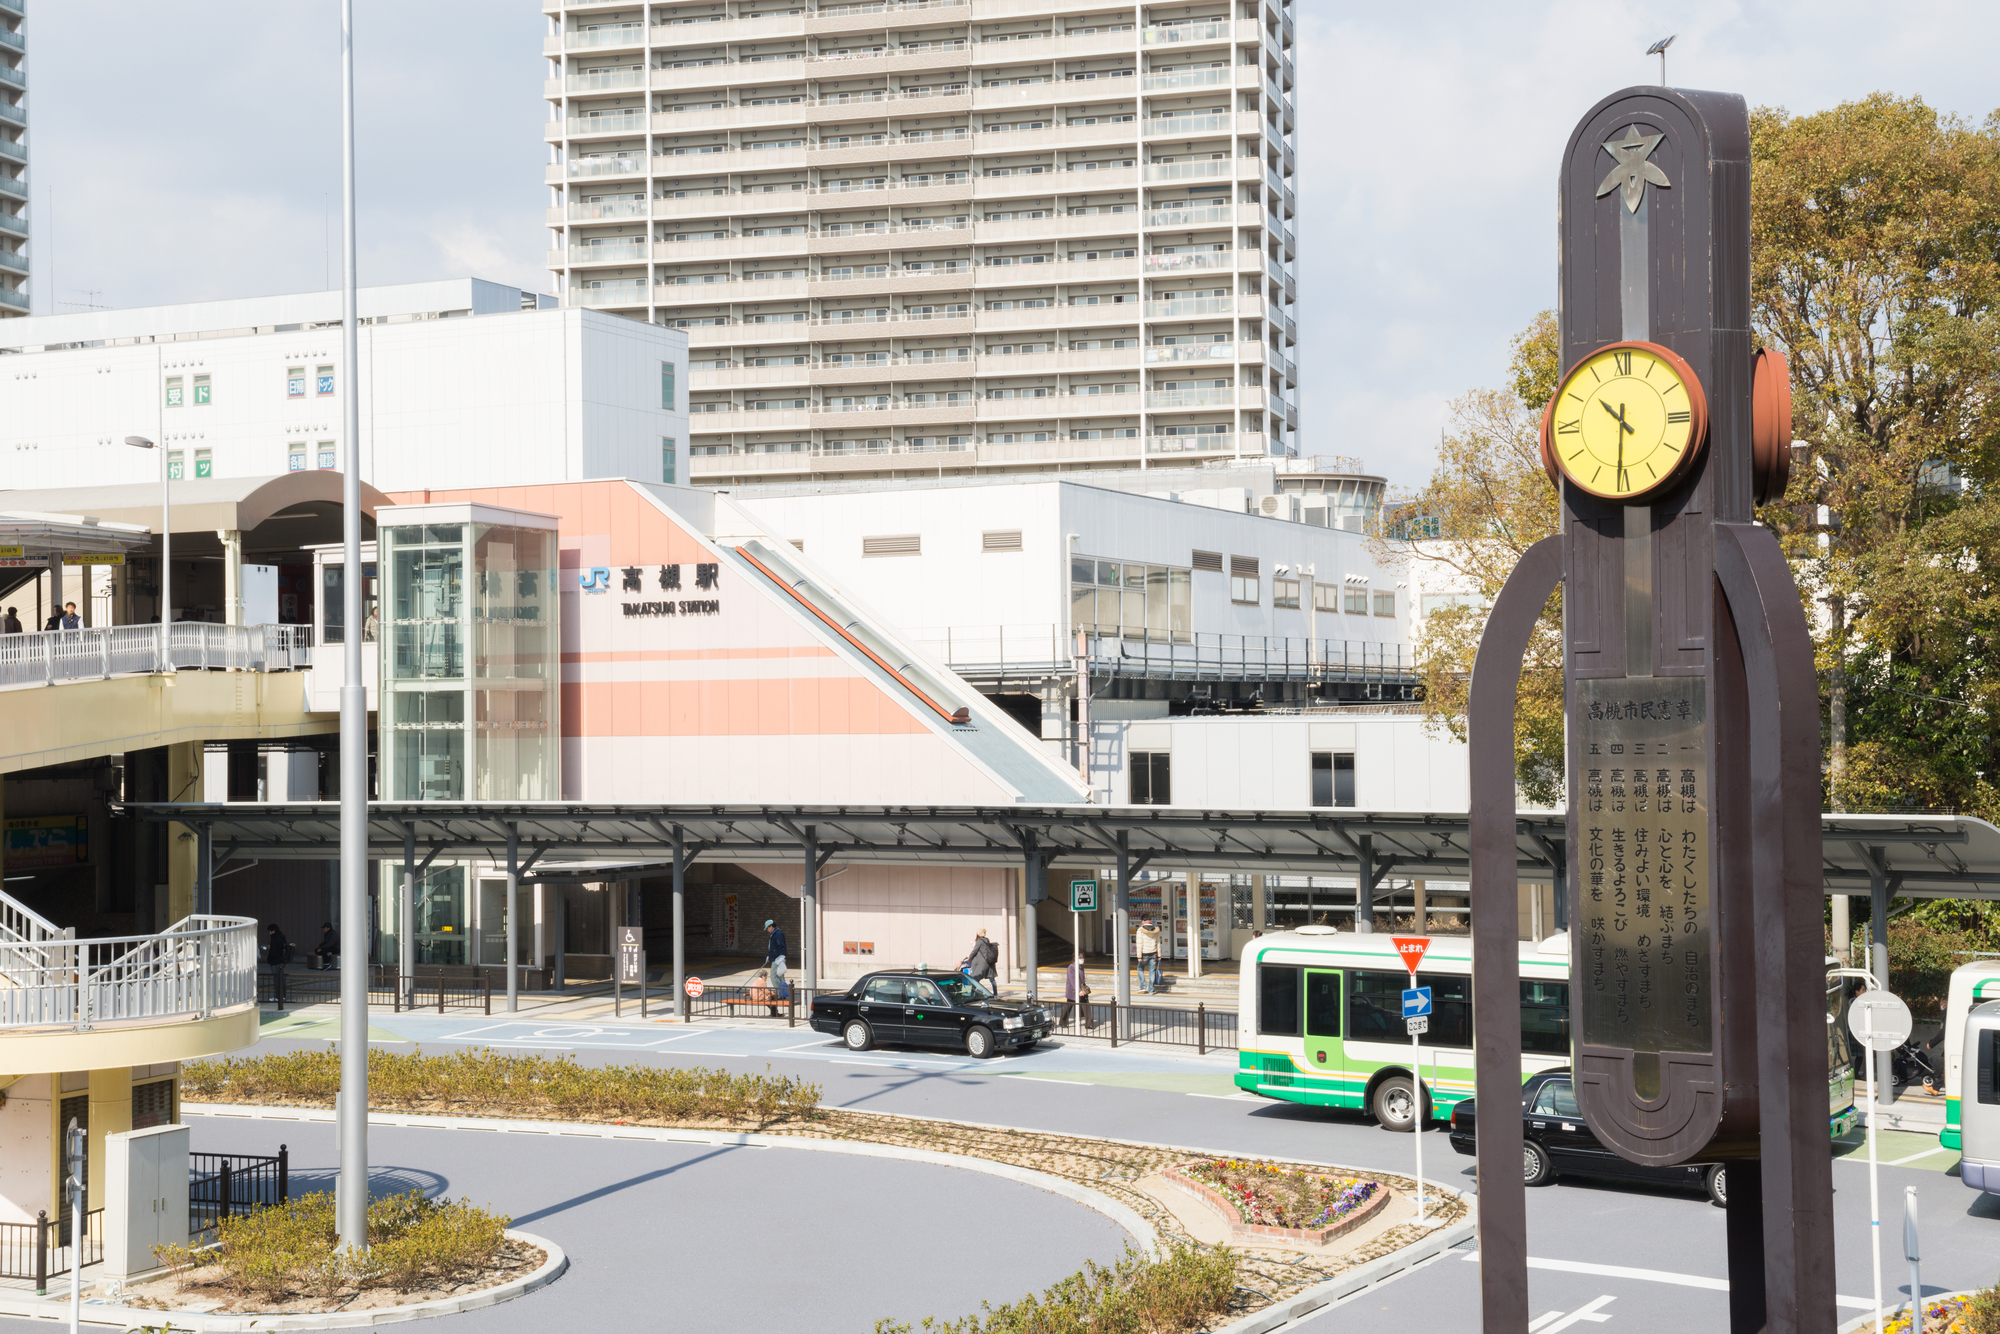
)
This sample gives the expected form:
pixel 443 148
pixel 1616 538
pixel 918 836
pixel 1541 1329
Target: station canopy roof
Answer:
pixel 1923 856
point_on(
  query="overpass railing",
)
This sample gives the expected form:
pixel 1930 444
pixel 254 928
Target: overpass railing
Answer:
pixel 46 657
pixel 989 652
pixel 195 967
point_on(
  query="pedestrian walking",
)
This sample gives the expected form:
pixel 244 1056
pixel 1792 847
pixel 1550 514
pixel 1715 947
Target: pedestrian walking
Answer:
pixel 979 964
pixel 1076 991
pixel 1148 936
pixel 277 953
pixel 11 623
pixel 774 956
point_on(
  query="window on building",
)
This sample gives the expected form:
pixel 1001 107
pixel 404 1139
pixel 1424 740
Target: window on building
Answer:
pixel 1357 600
pixel 326 454
pixel 1285 593
pixel 204 464
pixel 334 593
pixel 1278 999
pixel 295 382
pixel 323 380
pixel 295 456
pixel 201 391
pixel 667 451
pixel 175 467
pixel 173 391
pixel 1122 598
pixel 1326 597
pixel 1332 778
pixel 667 385
pixel 1152 778
pixel 1243 582
pixel 1385 603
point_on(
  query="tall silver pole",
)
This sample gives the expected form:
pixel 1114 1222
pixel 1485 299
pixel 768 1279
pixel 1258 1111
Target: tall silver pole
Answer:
pixel 166 564
pixel 680 933
pixel 351 1193
pixel 513 918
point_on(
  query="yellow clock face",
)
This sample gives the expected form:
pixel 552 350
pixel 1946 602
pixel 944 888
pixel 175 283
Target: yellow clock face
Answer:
pixel 1627 420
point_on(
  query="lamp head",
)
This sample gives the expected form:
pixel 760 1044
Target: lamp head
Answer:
pixel 1659 47
pixel 138 442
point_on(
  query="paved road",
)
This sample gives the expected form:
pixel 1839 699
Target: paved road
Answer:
pixel 1644 1260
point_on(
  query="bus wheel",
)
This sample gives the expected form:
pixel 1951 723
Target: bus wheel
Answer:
pixel 1395 1104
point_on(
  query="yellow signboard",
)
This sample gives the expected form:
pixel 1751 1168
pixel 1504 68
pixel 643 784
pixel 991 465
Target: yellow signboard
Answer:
pixel 95 558
pixel 12 553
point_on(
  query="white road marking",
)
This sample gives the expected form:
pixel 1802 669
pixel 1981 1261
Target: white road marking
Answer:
pixel 1543 1319
pixel 1229 1097
pixel 1590 1311
pixel 1898 1162
pixel 1044 1079
pixel 1658 1276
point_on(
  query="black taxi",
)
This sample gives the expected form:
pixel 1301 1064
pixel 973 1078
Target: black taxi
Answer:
pixel 1555 1139
pixel 925 1008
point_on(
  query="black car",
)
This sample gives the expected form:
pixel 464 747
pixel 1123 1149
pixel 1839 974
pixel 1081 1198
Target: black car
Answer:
pixel 929 1009
pixel 1555 1140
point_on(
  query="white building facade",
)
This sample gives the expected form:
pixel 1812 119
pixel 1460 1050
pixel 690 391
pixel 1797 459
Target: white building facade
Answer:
pixel 461 382
pixel 961 234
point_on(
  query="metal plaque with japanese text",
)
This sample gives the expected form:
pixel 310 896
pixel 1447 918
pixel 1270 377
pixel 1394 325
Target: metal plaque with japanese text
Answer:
pixel 1642 957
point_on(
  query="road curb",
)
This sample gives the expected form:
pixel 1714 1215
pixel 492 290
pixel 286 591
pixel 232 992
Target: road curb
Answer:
pixel 200 1322
pixel 1142 1232
pixel 1280 1314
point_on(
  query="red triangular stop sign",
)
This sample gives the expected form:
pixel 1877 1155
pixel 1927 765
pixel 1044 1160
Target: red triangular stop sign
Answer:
pixel 1412 949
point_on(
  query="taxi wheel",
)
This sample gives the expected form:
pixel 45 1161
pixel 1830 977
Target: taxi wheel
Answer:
pixel 1716 1183
pixel 978 1042
pixel 1536 1169
pixel 1395 1105
pixel 857 1035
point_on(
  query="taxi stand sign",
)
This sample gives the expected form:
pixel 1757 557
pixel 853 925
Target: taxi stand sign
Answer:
pixel 1416 1018
pixel 1083 896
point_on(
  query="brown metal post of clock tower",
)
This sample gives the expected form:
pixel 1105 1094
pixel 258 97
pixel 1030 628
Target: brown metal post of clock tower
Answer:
pixel 1696 974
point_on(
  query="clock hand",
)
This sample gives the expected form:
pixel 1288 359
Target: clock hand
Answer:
pixel 1624 428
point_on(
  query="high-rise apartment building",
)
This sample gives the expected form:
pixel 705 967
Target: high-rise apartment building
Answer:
pixel 940 236
pixel 13 159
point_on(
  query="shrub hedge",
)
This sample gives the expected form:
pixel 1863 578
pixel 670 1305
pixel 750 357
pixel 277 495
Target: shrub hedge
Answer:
pixel 280 1252
pixel 1175 1293
pixel 475 1078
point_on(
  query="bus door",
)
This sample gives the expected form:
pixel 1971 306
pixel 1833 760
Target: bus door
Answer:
pixel 1323 1053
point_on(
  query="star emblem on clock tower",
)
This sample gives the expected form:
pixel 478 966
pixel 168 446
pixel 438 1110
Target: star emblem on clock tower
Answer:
pixel 1633 170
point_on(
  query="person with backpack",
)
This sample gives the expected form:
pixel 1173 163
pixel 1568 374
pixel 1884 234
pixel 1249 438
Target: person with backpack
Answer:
pixel 1148 940
pixel 979 964
pixel 277 953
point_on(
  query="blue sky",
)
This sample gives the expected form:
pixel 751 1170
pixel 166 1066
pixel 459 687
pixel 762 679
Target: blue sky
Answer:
pixel 192 151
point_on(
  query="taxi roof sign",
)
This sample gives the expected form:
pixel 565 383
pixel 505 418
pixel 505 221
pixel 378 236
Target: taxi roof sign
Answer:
pixel 1411 948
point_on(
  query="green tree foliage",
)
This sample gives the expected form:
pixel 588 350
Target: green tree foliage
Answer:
pixel 1876 268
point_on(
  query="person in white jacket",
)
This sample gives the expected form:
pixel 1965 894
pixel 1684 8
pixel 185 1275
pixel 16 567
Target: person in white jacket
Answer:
pixel 1149 955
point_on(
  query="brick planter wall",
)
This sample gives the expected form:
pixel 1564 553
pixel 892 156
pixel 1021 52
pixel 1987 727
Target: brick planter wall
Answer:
pixel 1217 1201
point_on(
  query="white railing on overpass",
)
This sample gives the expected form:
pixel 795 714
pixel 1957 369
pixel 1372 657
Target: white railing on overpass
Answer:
pixel 979 651
pixel 192 969
pixel 45 657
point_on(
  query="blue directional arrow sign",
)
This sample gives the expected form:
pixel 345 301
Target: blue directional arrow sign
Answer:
pixel 1417 1003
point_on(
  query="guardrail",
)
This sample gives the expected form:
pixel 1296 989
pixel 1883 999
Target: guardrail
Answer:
pixel 1201 1028
pixel 40 1251
pixel 979 651
pixel 45 657
pixel 222 1185
pixel 197 966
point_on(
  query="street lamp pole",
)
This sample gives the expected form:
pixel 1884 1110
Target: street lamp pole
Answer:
pixel 351 1192
pixel 166 555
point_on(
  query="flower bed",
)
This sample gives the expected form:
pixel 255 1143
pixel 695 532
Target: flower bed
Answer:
pixel 1959 1313
pixel 1286 1204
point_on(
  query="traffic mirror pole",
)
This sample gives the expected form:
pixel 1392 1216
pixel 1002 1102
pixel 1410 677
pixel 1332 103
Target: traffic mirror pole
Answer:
pixel 1882 1022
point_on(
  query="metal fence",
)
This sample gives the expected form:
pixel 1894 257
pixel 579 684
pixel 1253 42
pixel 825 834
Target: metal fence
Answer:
pixel 386 986
pixel 991 651
pixel 792 1004
pixel 199 965
pixel 223 1185
pixel 41 1250
pixel 44 657
pixel 1201 1028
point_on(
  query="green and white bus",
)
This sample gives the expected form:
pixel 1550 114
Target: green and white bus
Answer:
pixel 1971 984
pixel 1321 1023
